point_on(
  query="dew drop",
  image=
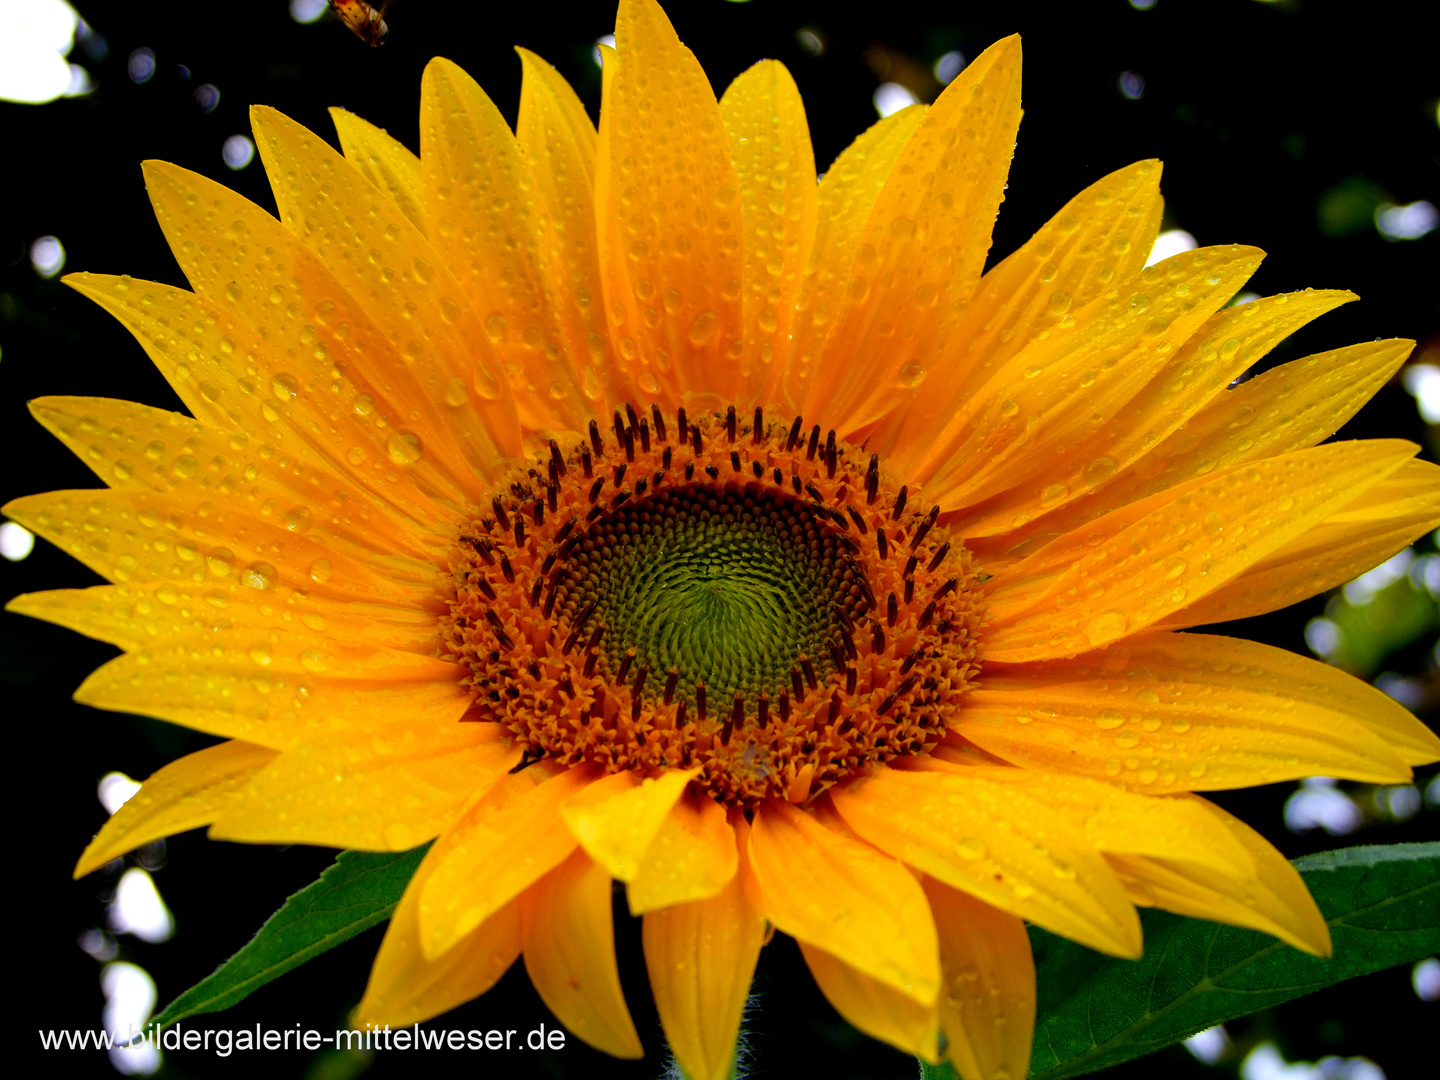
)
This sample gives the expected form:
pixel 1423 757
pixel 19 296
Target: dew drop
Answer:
pixel 259 575
pixel 404 448
pixel 1053 495
pixel 704 327
pixel 449 310
pixel 495 327
pixel 1098 471
pixel 298 520
pixel 320 571
pixel 456 394
pixel 1108 720
pixel 971 848
pixel 1105 627
pixel 312 660
pixel 911 375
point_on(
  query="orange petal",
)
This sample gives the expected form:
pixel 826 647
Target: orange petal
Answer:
pixel 1132 568
pixel 693 857
pixel 140 536
pixel 377 256
pixel 1273 899
pixel 392 788
pixel 823 887
pixel 1220 351
pixel 1111 818
pixel 183 795
pixel 920 255
pixel 988 1008
pixel 1362 535
pixel 1100 236
pixel 134 447
pixel 873 1007
pixel 617 833
pixel 1062 389
pixel 986 837
pixel 383 161
pixel 1287 408
pixel 770 142
pixel 486 221
pixel 246 322
pixel 667 204
pixel 407 987
pixel 846 194
pixel 701 956
pixel 136 617
pixel 558 140
pixel 570 955
pixel 282 703
pixel 1190 712
pixel 502 844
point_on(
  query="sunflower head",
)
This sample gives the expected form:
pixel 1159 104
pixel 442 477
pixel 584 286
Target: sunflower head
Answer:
pixel 625 504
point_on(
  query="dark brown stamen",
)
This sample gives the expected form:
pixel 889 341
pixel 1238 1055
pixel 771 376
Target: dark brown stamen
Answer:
pixel 814 443
pixel 735 460
pixel 855 517
pixel 757 432
pixel 672 679
pixel 659 420
pixel 881 545
pixel 730 424
pixel 507 569
pixel 585 462
pixel 556 458
pixel 809 669
pixel 645 436
pixel 925 526
pixel 620 474
pixel 595 439
pixel 762 710
pixel 900 502
pixel 684 433
pixel 793 439
pixel 700 701
pixel 850 677
pixel 625 662
pixel 872 480
pixel 500 515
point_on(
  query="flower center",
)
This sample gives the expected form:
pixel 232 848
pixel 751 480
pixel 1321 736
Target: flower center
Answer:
pixel 740 598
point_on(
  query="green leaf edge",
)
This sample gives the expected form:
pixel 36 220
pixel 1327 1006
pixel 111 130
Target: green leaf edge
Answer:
pixel 350 881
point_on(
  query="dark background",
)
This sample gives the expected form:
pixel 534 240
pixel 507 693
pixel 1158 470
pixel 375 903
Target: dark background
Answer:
pixel 1281 125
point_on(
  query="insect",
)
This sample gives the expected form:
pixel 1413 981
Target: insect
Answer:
pixel 367 23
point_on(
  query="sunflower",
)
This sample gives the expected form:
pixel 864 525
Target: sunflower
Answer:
pixel 625 505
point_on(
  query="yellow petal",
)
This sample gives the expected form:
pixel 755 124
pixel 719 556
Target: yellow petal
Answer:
pixel 1111 818
pixel 823 887
pixel 383 161
pixel 988 1008
pixel 558 140
pixel 393 787
pixel 693 857
pixel 919 258
pixel 140 536
pixel 1100 236
pixel 570 955
pixel 701 956
pixel 1288 408
pixel 1191 712
pixel 668 212
pixel 1220 351
pixel 873 1007
pixel 485 220
pixel 618 832
pixel 502 844
pixel 1274 899
pixel 1132 568
pixel 770 142
pixel 986 837
pixel 1061 389
pixel 407 987
pixel 134 447
pixel 377 256
pixel 136 617
pixel 217 686
pixel 183 795
pixel 846 194
pixel 1362 535
pixel 295 323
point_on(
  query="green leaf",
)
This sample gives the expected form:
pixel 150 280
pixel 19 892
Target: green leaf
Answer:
pixel 358 891
pixel 1383 908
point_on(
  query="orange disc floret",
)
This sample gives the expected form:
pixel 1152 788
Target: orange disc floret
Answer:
pixel 748 598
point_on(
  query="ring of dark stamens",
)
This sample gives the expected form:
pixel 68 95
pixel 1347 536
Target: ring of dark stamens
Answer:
pixel 560 585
